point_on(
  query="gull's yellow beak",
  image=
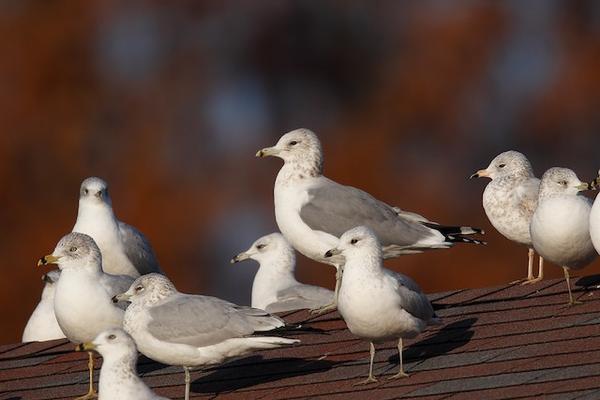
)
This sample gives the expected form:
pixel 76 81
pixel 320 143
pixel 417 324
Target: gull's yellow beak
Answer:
pixel 267 151
pixel 480 174
pixel 49 259
pixel 583 186
pixel 87 346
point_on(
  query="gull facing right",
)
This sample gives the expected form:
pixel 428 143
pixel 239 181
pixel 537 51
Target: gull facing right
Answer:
pixel 510 199
pixel 560 227
pixel 378 304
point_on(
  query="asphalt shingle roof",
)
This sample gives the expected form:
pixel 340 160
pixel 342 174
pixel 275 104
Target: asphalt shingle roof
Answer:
pixel 509 341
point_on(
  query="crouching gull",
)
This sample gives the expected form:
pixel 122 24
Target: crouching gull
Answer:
pixel 118 375
pixel 125 250
pixel 312 211
pixel 42 324
pixel 275 288
pixel 191 330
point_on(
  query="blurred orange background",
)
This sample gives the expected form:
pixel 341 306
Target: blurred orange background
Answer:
pixel 169 101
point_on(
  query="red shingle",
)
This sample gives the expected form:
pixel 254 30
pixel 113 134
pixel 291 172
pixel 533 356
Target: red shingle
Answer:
pixel 506 342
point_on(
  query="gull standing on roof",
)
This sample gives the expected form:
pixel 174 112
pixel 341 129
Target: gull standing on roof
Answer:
pixel 275 288
pixel 42 324
pixel 118 375
pixel 82 298
pixel 191 330
pixel 509 201
pixel 377 304
pixel 312 211
pixel 125 250
pixel 560 227
pixel 595 216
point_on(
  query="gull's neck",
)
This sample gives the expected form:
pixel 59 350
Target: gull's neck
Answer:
pixel 365 261
pixel 118 369
pixel 309 166
pixel 48 291
pixel 94 217
pixel 273 275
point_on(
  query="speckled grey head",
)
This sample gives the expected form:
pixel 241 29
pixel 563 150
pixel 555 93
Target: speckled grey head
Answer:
pixel 94 190
pixel 268 247
pixel 509 163
pixel 113 342
pixel 300 147
pixel 148 289
pixel 561 181
pixel 76 250
pixel 359 240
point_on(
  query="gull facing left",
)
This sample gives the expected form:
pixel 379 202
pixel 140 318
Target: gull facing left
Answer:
pixel 118 375
pixel 378 304
pixel 191 330
pixel 275 288
pixel 82 299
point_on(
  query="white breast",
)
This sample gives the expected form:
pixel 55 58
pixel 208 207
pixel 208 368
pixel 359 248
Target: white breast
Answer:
pixel 595 224
pixel 370 307
pixel 83 308
pixel 560 231
pixel 289 200
pixel 502 208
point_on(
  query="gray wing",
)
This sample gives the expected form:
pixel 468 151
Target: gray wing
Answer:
pixel 116 284
pixel 527 195
pixel 138 250
pixel 204 321
pixel 334 208
pixel 300 297
pixel 410 296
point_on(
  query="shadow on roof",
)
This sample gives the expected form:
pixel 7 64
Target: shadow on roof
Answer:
pixel 254 370
pixel 587 281
pixel 448 338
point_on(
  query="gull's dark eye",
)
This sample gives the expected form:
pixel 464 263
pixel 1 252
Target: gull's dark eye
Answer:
pixel 85 191
pixel 112 337
pixel 293 143
pixel 354 241
pixel 501 165
pixel 261 246
pixel 139 288
pixel 563 183
pixel 73 249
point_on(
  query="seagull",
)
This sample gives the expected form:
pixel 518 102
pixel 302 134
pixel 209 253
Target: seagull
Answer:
pixel 42 324
pixel 125 250
pixel 560 227
pixel 275 289
pixel 118 375
pixel 191 330
pixel 82 298
pixel 312 211
pixel 509 201
pixel 595 216
pixel 378 304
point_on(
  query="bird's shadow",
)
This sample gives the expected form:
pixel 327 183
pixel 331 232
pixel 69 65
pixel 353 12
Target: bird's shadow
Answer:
pixel 146 365
pixel 448 338
pixel 587 281
pixel 254 370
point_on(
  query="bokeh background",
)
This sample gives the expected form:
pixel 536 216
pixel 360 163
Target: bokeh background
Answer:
pixel 169 101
